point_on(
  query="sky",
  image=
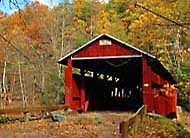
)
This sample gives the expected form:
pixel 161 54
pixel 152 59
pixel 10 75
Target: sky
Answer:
pixel 9 9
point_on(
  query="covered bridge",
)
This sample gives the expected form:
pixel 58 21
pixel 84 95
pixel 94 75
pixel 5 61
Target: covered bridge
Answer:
pixel 107 73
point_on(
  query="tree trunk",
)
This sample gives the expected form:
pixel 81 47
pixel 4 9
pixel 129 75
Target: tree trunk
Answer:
pixel 4 90
pixel 43 74
pixel 34 89
pixel 21 85
pixel 24 90
pixel 62 44
pixel 4 77
pixel 13 84
pixel 62 35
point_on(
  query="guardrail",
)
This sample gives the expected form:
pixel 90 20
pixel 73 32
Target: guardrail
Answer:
pixel 129 127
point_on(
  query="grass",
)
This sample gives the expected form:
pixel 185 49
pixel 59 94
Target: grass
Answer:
pixel 162 127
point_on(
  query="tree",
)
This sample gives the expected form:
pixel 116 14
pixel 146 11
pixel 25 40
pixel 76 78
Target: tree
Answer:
pixel 167 38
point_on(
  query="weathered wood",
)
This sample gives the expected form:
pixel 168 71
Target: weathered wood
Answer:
pixel 32 109
pixel 130 126
pixel 124 129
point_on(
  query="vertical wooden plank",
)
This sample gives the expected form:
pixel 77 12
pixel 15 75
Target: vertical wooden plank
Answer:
pixel 66 86
pixel 82 94
pixel 175 100
pixel 95 50
pixel 76 92
pixel 147 85
pixel 124 129
pixel 68 83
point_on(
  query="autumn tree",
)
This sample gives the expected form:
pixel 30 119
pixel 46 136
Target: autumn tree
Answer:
pixel 161 29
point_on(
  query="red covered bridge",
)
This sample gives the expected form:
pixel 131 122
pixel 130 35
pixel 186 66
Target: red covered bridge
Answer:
pixel 107 73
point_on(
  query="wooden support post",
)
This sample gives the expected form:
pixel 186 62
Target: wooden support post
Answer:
pixel 124 129
pixel 68 83
pixel 82 94
pixel 129 127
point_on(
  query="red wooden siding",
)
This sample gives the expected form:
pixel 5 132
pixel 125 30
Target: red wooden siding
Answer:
pixel 68 83
pixel 147 85
pixel 161 104
pixel 152 81
pixel 156 78
pixel 76 98
pixel 95 50
pixel 166 104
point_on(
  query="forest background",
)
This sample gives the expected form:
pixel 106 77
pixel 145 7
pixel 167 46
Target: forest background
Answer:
pixel 32 39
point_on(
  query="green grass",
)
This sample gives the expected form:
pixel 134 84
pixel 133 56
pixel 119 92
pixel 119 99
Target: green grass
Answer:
pixel 159 126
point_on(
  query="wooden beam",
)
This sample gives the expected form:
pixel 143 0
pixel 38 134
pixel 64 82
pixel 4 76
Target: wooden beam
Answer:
pixel 106 57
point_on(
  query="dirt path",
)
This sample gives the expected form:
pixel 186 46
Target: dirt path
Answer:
pixel 107 123
pixel 87 125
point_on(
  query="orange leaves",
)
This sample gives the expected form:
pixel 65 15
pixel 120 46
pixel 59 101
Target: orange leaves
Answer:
pixel 77 6
pixel 125 20
pixel 29 21
pixel 48 129
pixel 34 16
pixel 158 35
pixel 104 22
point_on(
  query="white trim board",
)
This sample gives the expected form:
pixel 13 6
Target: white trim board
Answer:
pixel 106 57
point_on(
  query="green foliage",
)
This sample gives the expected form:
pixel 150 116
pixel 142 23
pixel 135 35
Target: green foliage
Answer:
pixel 54 89
pixel 175 128
pixel 182 133
pixel 183 83
pixel 80 40
pixel 4 118
pixel 119 7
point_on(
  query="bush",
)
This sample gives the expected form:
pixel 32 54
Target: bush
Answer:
pixel 183 85
pixel 4 119
pixel 182 133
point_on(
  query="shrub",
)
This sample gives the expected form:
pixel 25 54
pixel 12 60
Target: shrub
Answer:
pixel 4 119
